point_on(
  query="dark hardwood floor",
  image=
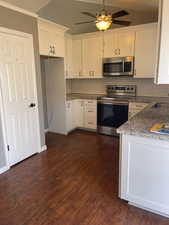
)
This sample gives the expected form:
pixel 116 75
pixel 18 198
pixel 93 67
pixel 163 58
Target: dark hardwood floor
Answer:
pixel 75 182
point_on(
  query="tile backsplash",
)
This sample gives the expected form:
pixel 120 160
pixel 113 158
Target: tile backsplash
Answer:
pixel 145 87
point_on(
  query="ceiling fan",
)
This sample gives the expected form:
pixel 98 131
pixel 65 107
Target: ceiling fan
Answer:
pixel 104 19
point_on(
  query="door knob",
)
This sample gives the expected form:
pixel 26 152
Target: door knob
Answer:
pixel 32 105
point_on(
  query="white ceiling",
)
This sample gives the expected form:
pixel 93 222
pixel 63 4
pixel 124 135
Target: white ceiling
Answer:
pixel 31 5
pixel 67 12
pixel 137 5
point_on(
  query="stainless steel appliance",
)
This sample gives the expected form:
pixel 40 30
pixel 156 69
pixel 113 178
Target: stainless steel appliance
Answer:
pixel 113 108
pixel 118 66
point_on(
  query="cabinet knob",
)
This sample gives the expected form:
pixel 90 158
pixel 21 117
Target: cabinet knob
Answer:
pixel 32 105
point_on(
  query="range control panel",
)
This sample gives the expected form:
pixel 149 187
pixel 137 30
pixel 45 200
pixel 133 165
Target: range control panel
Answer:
pixel 116 90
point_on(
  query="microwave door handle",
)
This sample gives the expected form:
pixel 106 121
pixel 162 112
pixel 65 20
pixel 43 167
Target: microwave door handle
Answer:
pixel 123 65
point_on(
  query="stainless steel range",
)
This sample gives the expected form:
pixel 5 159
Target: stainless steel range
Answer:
pixel 113 108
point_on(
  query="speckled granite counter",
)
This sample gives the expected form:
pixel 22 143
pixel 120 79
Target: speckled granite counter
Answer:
pixel 83 96
pixel 140 124
pixel 130 99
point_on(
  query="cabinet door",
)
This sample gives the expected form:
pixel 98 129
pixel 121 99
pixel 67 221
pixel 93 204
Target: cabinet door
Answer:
pixel 126 43
pixel 145 53
pixel 69 116
pixel 92 57
pixel 57 42
pixel 144 172
pixel 68 57
pixel 78 113
pixel 162 76
pixel 44 42
pixel 77 58
pixel 110 45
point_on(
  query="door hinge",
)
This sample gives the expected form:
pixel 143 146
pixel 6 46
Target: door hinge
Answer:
pixel 8 148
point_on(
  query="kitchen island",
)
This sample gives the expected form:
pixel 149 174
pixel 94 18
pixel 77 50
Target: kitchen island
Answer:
pixel 144 161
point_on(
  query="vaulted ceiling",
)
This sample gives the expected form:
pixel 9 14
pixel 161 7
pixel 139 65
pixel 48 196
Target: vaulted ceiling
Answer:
pixel 68 12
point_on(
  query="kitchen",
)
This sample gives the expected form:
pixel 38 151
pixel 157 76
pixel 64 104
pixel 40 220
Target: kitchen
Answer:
pixel 110 79
pixel 101 94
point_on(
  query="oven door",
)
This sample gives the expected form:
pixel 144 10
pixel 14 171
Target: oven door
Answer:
pixel 111 116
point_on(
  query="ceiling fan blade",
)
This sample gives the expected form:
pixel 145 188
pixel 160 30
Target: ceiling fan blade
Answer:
pixel 123 23
pixel 88 14
pixel 84 22
pixel 119 14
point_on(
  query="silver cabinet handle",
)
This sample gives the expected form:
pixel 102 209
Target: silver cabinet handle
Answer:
pixel 91 73
pixel 119 51
pixel 50 51
pixel 135 72
pixel 53 50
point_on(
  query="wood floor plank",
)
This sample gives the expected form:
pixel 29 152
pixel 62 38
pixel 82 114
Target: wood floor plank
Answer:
pixel 75 182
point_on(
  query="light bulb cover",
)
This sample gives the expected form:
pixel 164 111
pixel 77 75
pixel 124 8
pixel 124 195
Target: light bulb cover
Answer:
pixel 103 22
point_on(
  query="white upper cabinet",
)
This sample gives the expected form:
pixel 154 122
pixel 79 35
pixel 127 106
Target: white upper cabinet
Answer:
pixel 68 56
pixel 110 44
pixel 119 44
pixel 145 51
pixel 125 43
pixel 92 57
pixel 163 47
pixel 77 57
pixel 51 38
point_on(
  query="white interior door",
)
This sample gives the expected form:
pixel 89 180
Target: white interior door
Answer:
pixel 18 86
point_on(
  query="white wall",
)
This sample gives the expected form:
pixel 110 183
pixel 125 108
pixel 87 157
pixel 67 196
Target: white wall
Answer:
pixel 145 87
pixel 56 95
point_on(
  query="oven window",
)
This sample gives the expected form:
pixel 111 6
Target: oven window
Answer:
pixel 112 115
pixel 113 67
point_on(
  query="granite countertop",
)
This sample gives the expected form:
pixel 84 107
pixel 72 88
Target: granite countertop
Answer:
pixel 83 96
pixel 140 124
pixel 143 99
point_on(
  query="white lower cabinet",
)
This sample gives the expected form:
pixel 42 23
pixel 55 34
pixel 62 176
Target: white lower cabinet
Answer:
pixel 81 114
pixel 90 114
pixel 69 116
pixel 144 177
pixel 78 113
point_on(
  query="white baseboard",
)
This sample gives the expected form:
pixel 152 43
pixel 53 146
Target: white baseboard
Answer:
pixel 44 148
pixel 4 169
pixel 147 209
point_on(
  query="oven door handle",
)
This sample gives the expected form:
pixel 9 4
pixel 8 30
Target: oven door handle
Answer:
pixel 113 103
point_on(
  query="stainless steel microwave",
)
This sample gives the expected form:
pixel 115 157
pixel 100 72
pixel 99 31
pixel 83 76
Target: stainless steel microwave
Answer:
pixel 118 66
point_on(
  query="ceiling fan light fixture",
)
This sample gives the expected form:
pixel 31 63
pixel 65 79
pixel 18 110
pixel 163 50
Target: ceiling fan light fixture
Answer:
pixel 103 22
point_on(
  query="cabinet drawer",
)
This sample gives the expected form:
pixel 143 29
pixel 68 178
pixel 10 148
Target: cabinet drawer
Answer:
pixel 91 110
pixel 90 103
pixel 90 124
